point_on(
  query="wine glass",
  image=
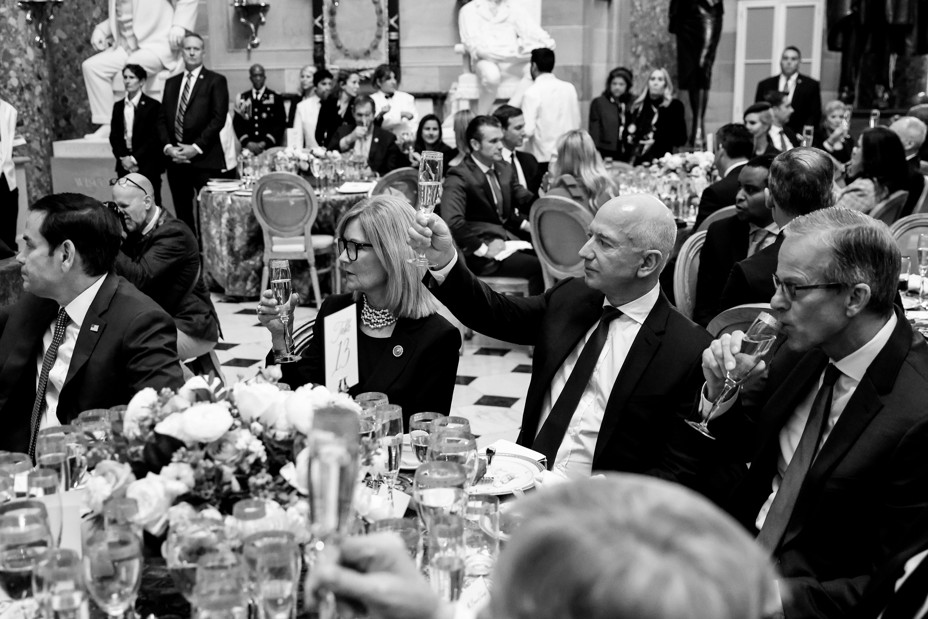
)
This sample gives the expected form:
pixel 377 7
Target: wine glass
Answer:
pixel 24 538
pixel 439 489
pixel 420 427
pixel 447 556
pixel 430 176
pixel 113 569
pixel 922 256
pixel 58 583
pixel 220 591
pixel 44 483
pixel 277 574
pixel 757 343
pixel 281 287
pixel 451 445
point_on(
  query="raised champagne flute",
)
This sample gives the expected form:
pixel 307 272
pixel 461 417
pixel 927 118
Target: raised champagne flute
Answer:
pixel 808 135
pixel 757 343
pixel 922 255
pixel 282 288
pixel 430 177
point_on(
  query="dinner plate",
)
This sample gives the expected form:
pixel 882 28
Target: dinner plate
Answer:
pixel 506 474
pixel 355 187
pixel 243 192
pixel 223 188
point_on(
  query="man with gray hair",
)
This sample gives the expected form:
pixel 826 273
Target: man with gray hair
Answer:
pixel 801 180
pixel 837 440
pixel 911 132
pixel 615 367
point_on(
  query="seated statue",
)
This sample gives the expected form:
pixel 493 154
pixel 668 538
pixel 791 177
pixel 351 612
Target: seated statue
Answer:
pixel 499 35
pixel 148 33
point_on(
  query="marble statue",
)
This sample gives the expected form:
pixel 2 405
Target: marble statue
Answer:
pixel 148 33
pixel 499 36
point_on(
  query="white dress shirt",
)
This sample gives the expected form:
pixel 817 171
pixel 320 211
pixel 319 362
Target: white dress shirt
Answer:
pixel 780 141
pixel 852 367
pixel 393 120
pixel 550 108
pixel 910 567
pixel 788 85
pixel 305 121
pixel 128 116
pixel 77 311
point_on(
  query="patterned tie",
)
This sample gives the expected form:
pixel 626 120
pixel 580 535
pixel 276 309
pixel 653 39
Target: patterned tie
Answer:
pixel 61 323
pixel 182 109
pixel 495 189
pixel 781 510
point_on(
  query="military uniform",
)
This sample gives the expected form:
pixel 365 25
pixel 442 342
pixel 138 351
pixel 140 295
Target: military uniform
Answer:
pixel 260 118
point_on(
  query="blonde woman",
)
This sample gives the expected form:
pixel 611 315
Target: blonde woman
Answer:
pixel 658 124
pixel 579 172
pixel 405 349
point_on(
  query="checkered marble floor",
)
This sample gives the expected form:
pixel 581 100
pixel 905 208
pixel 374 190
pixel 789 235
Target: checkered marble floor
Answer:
pixel 492 379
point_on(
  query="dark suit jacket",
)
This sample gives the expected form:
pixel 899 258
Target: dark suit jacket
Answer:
pixel 125 344
pixel 530 169
pixel 790 135
pixel 914 184
pixel 719 194
pixel 806 101
pixel 467 206
pixel 726 243
pixel 267 121
pixel 165 265
pixel 146 147
pixel 207 108
pixel 384 155
pixel 606 119
pixel 330 120
pixel 751 280
pixel 669 130
pixel 656 386
pixel 420 379
pixel 866 487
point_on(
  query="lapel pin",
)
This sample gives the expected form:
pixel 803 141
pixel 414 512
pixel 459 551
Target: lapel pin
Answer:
pixel 397 351
pixel 94 328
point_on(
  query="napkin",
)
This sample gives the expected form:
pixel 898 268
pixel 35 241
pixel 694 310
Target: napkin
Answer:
pixel 511 248
pixel 502 446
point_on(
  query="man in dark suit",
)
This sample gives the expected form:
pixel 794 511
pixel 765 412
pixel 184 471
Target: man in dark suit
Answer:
pixel 160 257
pixel 836 442
pixel 80 337
pixel 483 206
pixel 526 167
pixel 800 182
pixel 144 151
pixel 193 112
pixel 803 92
pixel 911 132
pixel 615 365
pixel 733 239
pixel 366 141
pixel 780 136
pixel 734 145
pixel 259 119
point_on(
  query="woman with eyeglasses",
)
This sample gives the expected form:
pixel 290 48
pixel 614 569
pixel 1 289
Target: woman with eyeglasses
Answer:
pixel 405 348
pixel 134 134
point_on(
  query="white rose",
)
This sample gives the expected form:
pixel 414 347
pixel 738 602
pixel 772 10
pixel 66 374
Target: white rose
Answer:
pixel 299 411
pixel 107 478
pixel 173 425
pixel 252 399
pixel 180 472
pixel 154 496
pixel 297 475
pixel 188 391
pixel 205 423
pixel 140 410
pixel 275 409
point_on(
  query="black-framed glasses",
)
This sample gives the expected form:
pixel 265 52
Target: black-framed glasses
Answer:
pixel 123 181
pixel 792 289
pixel 350 248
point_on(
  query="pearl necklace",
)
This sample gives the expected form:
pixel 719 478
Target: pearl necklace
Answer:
pixel 375 318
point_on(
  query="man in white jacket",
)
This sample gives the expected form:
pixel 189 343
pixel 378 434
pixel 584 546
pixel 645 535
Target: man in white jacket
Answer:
pixel 148 33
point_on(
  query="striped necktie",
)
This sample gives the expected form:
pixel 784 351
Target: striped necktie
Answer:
pixel 182 109
pixel 61 324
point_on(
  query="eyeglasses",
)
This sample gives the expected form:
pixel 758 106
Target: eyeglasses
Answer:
pixel 791 289
pixel 124 181
pixel 350 248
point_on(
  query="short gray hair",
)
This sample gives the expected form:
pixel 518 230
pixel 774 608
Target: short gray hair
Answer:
pixel 658 233
pixel 863 251
pixel 629 546
pixel 910 129
pixel 801 180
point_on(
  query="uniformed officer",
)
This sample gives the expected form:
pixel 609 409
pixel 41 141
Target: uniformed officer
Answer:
pixel 259 114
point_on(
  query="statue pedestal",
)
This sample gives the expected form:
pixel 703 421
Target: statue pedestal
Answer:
pixel 86 166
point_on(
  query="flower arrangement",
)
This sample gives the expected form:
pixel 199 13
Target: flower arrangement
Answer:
pixel 206 446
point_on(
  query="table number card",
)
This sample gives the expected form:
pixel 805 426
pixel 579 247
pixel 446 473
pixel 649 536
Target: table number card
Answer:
pixel 340 331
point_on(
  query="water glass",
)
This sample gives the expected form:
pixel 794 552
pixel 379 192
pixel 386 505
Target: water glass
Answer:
pixel 439 489
pixel 450 422
pixel 455 446
pixel 481 535
pixel 371 399
pixel 250 516
pixel 420 428
pixel 220 591
pixel 45 484
pixel 253 546
pixel 58 582
pixel 447 556
pixel 277 575
pixel 77 452
pixel 24 538
pixel 113 569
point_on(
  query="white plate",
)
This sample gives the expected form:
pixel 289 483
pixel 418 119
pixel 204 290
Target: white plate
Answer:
pixel 506 474
pixel 409 461
pixel 355 187
pixel 223 188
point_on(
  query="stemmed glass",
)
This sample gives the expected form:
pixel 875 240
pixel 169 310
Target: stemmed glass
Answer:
pixel 922 252
pixel 455 446
pixel 44 483
pixel 420 428
pixel 447 556
pixel 277 574
pixel 51 452
pixel 439 489
pixel 24 538
pixel 757 343
pixel 481 535
pixel 390 422
pixel 58 582
pixel 905 269
pixel 430 176
pixel 282 288
pixel 220 591
pixel 113 569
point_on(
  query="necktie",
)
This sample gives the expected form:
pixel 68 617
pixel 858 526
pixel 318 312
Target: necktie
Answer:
pixel 783 503
pixel 910 597
pixel 182 109
pixel 758 237
pixel 552 433
pixel 495 189
pixel 61 323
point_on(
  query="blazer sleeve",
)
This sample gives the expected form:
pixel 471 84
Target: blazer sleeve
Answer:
pixel 453 208
pixel 395 158
pixel 151 352
pixel 440 359
pixel 156 263
pixel 118 132
pixel 219 109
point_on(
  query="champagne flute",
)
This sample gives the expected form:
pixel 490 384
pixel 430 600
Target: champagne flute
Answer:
pixel 757 343
pixel 905 269
pixel 430 177
pixel 390 431
pixel 922 256
pixel 113 569
pixel 44 483
pixel 282 288
pixel 808 134
pixel 420 427
pixel 58 583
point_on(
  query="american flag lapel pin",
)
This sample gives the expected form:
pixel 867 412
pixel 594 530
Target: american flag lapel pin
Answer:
pixel 94 328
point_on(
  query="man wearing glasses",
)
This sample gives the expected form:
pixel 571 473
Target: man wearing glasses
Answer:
pixel 838 437
pixel 159 255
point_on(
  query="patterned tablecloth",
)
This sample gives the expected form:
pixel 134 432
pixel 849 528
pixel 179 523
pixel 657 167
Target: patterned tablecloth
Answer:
pixel 233 246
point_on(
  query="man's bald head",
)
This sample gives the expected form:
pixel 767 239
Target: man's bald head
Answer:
pixel 134 198
pixel 141 183
pixel 911 132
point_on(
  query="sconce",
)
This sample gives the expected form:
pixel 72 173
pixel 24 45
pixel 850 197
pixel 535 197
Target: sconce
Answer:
pixel 39 13
pixel 252 14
